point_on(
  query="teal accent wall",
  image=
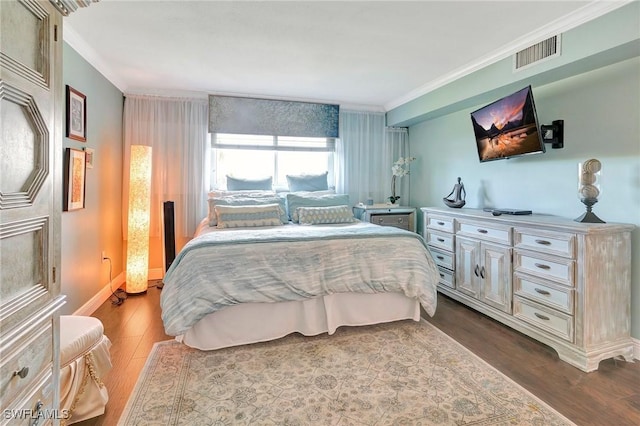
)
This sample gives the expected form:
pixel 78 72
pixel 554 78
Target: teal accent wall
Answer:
pixel 594 86
pixel 97 227
pixel 601 110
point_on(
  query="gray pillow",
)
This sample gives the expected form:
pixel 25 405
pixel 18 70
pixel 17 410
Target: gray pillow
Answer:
pixel 308 182
pixel 241 184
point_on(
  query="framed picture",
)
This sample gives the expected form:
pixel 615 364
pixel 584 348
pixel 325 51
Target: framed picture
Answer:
pixel 90 154
pixel 76 110
pixel 74 179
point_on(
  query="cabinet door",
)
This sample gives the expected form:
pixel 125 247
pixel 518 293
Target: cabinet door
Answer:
pixel 467 266
pixel 495 276
pixel 30 154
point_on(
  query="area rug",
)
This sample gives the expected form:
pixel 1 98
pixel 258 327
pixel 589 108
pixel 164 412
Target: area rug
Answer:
pixel 401 373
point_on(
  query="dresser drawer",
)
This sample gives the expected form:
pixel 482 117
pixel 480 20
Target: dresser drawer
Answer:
pixel 491 232
pixel 35 403
pixel 440 240
pixel 443 258
pixel 440 223
pixel 555 268
pixel 28 356
pixel 446 277
pixel 549 242
pixel 544 292
pixel 397 220
pixel 546 319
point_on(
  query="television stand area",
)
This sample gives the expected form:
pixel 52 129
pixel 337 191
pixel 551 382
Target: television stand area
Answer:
pixel 564 283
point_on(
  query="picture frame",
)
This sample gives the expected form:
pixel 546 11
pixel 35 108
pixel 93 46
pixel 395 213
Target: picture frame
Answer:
pixel 89 156
pixel 74 179
pixel 76 111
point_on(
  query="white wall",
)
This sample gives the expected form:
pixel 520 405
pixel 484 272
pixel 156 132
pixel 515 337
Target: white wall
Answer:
pixel 601 110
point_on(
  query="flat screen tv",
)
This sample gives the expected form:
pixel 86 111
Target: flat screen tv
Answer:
pixel 508 127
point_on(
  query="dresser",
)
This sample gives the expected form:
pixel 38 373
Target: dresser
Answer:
pixel 564 283
pixel 385 215
pixel 31 92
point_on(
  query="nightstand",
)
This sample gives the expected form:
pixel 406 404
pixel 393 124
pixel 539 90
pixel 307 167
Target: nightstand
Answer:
pixel 387 215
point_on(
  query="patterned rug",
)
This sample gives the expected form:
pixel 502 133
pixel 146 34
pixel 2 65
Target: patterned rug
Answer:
pixel 401 373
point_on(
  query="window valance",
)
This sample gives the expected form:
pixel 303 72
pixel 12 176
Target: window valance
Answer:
pixel 251 116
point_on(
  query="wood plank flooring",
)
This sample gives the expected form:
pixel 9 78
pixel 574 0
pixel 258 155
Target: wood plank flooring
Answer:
pixel 609 396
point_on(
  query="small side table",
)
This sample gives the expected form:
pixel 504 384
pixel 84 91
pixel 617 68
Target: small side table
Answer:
pixel 387 215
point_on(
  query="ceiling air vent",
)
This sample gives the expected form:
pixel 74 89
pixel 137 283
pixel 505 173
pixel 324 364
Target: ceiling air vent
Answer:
pixel 546 49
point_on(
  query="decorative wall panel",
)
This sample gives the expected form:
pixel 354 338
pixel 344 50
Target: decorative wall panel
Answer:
pixel 24 152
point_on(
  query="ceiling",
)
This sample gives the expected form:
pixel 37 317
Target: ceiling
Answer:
pixel 372 55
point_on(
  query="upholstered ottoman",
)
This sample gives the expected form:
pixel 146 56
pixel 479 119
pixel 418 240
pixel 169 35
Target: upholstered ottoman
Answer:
pixel 84 360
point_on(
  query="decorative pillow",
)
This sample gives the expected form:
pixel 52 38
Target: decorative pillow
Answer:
pixel 240 184
pixel 283 194
pixel 248 216
pixel 217 193
pixel 320 215
pixel 307 182
pixel 309 200
pixel 246 201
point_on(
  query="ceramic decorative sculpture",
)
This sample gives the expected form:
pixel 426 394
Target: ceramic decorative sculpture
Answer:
pixel 458 192
pixel 589 188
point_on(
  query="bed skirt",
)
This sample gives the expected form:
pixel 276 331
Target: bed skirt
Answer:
pixel 259 322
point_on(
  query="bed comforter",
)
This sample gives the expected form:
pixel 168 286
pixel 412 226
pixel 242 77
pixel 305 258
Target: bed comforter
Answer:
pixel 293 262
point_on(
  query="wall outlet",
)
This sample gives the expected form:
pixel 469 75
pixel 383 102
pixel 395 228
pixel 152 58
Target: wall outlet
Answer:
pixel 104 255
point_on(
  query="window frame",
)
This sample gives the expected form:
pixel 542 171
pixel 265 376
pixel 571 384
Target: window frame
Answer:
pixel 275 147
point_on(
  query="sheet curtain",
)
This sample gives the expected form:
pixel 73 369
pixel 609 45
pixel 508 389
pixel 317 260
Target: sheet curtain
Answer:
pixel 176 129
pixel 365 153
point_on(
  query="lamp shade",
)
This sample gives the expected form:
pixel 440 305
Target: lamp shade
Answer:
pixel 138 219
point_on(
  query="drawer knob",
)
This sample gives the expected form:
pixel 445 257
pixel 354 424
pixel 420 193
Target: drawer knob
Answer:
pixel 542 317
pixel 441 240
pixel 441 275
pixel 543 292
pixel 380 220
pixel 440 257
pixel 22 373
pixel 441 223
pixel 482 231
pixel 400 220
pixel 544 242
pixel 543 266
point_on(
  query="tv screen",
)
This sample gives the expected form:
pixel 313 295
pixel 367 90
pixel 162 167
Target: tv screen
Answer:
pixel 507 127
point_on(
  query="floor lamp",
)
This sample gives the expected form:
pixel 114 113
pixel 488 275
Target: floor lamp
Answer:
pixel 138 219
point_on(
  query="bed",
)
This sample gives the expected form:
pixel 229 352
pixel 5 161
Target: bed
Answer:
pixel 242 285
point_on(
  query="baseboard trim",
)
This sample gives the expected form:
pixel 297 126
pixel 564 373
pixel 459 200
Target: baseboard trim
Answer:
pixel 96 301
pixel 156 274
pixel 636 348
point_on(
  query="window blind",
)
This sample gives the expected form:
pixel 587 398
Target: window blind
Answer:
pixel 251 116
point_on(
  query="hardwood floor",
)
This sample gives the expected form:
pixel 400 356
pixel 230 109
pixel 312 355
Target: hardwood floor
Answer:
pixel 609 396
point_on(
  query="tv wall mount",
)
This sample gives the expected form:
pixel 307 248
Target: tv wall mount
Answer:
pixel 553 134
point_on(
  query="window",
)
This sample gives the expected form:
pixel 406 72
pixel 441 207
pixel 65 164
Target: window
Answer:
pixel 259 156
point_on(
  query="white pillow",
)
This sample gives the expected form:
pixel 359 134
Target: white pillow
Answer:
pixel 310 199
pixel 237 198
pixel 322 215
pixel 248 216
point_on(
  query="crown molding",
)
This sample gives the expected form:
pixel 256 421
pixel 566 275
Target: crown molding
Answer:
pixel 581 16
pixel 71 37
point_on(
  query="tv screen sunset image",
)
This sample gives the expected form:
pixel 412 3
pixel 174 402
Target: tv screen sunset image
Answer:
pixel 507 127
